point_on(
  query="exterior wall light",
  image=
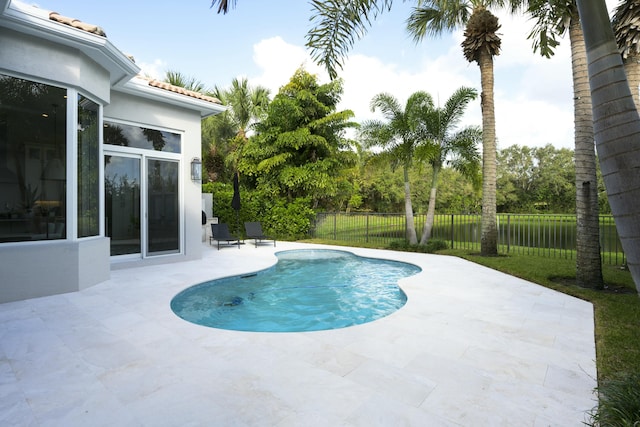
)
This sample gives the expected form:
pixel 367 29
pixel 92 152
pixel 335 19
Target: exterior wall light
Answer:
pixel 196 169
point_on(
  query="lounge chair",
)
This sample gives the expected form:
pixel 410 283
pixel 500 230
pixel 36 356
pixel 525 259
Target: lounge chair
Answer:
pixel 253 231
pixel 220 233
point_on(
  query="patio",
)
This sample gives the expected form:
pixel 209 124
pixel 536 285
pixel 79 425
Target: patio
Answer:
pixel 471 347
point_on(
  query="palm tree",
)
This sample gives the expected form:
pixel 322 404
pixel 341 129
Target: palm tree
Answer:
pixel 443 143
pixel 340 23
pixel 556 17
pixel 247 105
pixel 616 127
pixel 399 137
pixel 176 78
pixel 480 45
pixel 626 21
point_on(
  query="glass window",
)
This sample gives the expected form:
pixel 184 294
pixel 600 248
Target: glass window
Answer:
pixel 140 137
pixel 33 148
pixel 163 206
pixel 122 200
pixel 88 170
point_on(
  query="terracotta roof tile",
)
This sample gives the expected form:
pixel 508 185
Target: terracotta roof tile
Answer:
pixel 94 29
pixel 75 23
pixel 177 89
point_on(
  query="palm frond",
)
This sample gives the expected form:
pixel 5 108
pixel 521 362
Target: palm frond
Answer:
pixel 433 17
pixel 387 104
pixel 552 19
pixel 338 24
pixel 456 105
pixel 223 5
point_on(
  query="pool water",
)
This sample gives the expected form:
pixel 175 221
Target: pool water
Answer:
pixel 307 290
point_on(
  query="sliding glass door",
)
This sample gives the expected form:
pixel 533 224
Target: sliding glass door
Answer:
pixel 122 176
pixel 163 219
pixel 142 205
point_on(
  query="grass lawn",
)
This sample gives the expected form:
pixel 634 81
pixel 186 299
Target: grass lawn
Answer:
pixel 617 309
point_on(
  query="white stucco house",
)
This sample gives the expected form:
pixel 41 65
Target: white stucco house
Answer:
pixel 95 160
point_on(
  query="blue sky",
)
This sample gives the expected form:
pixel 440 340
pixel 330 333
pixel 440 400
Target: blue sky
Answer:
pixel 264 42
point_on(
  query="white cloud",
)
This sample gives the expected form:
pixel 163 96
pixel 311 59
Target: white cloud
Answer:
pixel 278 61
pixel 155 70
pixel 533 95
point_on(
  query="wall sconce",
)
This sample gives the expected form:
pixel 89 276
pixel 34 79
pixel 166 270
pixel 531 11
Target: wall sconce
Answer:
pixel 196 169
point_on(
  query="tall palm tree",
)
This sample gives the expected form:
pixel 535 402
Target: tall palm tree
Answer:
pixel 616 127
pixel 340 23
pixel 556 17
pixel 445 144
pixel 480 45
pixel 399 136
pixel 626 27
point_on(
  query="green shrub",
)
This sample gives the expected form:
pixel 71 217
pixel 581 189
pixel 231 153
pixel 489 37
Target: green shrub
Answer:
pixel 280 219
pixel 290 221
pixel 432 245
pixel 619 402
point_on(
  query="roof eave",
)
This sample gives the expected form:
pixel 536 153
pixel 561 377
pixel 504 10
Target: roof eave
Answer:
pixel 141 88
pixel 28 20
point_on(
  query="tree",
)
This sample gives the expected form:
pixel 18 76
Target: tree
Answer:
pixel 340 23
pixel 299 148
pixel 248 103
pixel 616 127
pixel 536 179
pixel 445 144
pixel 626 21
pixel 480 45
pixel 227 132
pixel 399 136
pixel 556 17
pixel 178 79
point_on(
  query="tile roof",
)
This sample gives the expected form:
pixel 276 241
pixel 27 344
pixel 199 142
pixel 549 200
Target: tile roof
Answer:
pixel 76 23
pixel 94 29
pixel 177 89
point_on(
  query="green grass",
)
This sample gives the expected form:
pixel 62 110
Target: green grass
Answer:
pixel 542 235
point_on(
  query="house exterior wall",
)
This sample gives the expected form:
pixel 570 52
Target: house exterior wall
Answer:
pixel 48 268
pixel 33 58
pixel 129 108
pixel 32 49
pixel 34 269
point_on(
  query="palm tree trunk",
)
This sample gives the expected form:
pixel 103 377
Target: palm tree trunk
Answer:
pixel 588 262
pixel 632 68
pixel 616 128
pixel 431 210
pixel 489 229
pixel 408 209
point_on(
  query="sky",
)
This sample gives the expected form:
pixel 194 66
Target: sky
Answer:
pixel 264 41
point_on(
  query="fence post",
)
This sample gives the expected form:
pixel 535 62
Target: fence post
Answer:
pixel 366 235
pixel 452 228
pixel 335 218
pixel 508 232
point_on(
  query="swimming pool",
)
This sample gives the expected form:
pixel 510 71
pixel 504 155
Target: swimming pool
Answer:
pixel 306 290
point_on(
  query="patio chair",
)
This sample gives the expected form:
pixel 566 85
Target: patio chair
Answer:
pixel 253 231
pixel 220 233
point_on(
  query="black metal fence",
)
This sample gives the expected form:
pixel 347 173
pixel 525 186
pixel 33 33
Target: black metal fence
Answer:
pixel 543 235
